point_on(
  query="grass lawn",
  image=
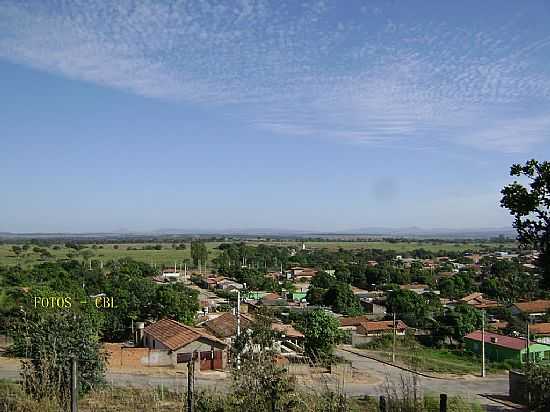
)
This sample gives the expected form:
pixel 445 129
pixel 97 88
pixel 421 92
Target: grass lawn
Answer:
pixel 439 360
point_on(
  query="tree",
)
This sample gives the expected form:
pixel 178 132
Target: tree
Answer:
pixel 416 310
pixel 530 206
pixel 321 332
pixel 342 300
pixel 460 321
pixel 323 280
pixel 17 250
pixel 49 340
pixel 199 252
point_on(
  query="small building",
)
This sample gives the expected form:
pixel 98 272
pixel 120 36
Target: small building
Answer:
pixel 300 272
pixel 225 326
pixel 499 348
pixel 382 327
pixel 229 285
pixel 478 301
pixel 541 332
pixel 532 310
pixel 170 273
pixel 289 335
pixel 175 343
pixel 418 288
pixel 297 296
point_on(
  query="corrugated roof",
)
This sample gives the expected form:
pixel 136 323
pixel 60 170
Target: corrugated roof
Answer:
pixel 175 335
pixel 504 341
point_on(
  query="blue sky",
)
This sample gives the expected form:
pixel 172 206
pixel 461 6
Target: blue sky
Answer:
pixel 324 115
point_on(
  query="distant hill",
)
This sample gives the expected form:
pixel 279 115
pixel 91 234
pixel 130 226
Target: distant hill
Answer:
pixel 406 232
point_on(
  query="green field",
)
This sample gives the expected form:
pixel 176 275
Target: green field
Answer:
pixel 438 360
pixel 168 255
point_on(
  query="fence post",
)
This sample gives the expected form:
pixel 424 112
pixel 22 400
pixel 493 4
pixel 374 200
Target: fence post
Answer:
pixel 74 390
pixel 443 402
pixel 382 403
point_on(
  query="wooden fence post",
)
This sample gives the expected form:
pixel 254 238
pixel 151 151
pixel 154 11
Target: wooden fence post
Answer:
pixel 382 403
pixel 74 387
pixel 443 402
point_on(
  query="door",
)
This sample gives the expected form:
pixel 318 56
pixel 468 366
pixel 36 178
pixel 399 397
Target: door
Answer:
pixel 218 360
pixel 206 360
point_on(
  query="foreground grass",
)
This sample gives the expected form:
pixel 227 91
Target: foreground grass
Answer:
pixel 108 399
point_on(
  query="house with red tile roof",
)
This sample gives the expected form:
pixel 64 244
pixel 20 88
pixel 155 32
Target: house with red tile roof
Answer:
pixel 174 343
pixel 532 309
pixel 540 332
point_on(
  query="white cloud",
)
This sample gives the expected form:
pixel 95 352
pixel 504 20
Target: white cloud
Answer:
pixel 296 73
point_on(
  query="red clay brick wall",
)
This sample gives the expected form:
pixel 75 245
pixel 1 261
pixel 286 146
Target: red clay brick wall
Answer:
pixel 120 357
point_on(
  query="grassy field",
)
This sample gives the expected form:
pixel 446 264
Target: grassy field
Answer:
pixel 439 361
pixel 169 255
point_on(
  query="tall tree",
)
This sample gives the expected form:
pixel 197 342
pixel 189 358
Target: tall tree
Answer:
pixel 530 206
pixel 321 331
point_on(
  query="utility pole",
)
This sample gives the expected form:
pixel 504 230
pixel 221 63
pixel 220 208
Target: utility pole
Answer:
pixel 394 336
pixel 527 344
pixel 190 382
pixel 238 325
pixel 74 390
pixel 482 343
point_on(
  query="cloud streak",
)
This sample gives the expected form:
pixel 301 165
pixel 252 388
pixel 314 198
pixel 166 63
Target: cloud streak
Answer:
pixel 297 69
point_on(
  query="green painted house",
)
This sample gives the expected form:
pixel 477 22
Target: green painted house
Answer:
pixel 255 295
pixel 500 348
pixel 297 296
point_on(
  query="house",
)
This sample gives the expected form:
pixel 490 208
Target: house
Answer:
pixel 373 307
pixel 416 288
pixel 229 285
pixel 478 301
pixel 533 309
pixel 225 326
pixel 171 273
pixel 382 327
pixel 300 272
pixel 273 299
pixel 174 343
pixel 297 296
pixel 351 323
pixel 360 293
pixel 499 348
pixel 289 335
pixel 364 331
pixel 540 332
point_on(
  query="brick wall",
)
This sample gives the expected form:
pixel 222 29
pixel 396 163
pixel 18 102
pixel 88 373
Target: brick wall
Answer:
pixel 122 357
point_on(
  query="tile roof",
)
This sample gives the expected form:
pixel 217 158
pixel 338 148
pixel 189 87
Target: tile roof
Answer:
pixel 225 326
pixel 175 335
pixel 353 321
pixel 504 341
pixel 540 329
pixel 534 306
pixel 288 330
pixel 414 286
pixel 384 325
